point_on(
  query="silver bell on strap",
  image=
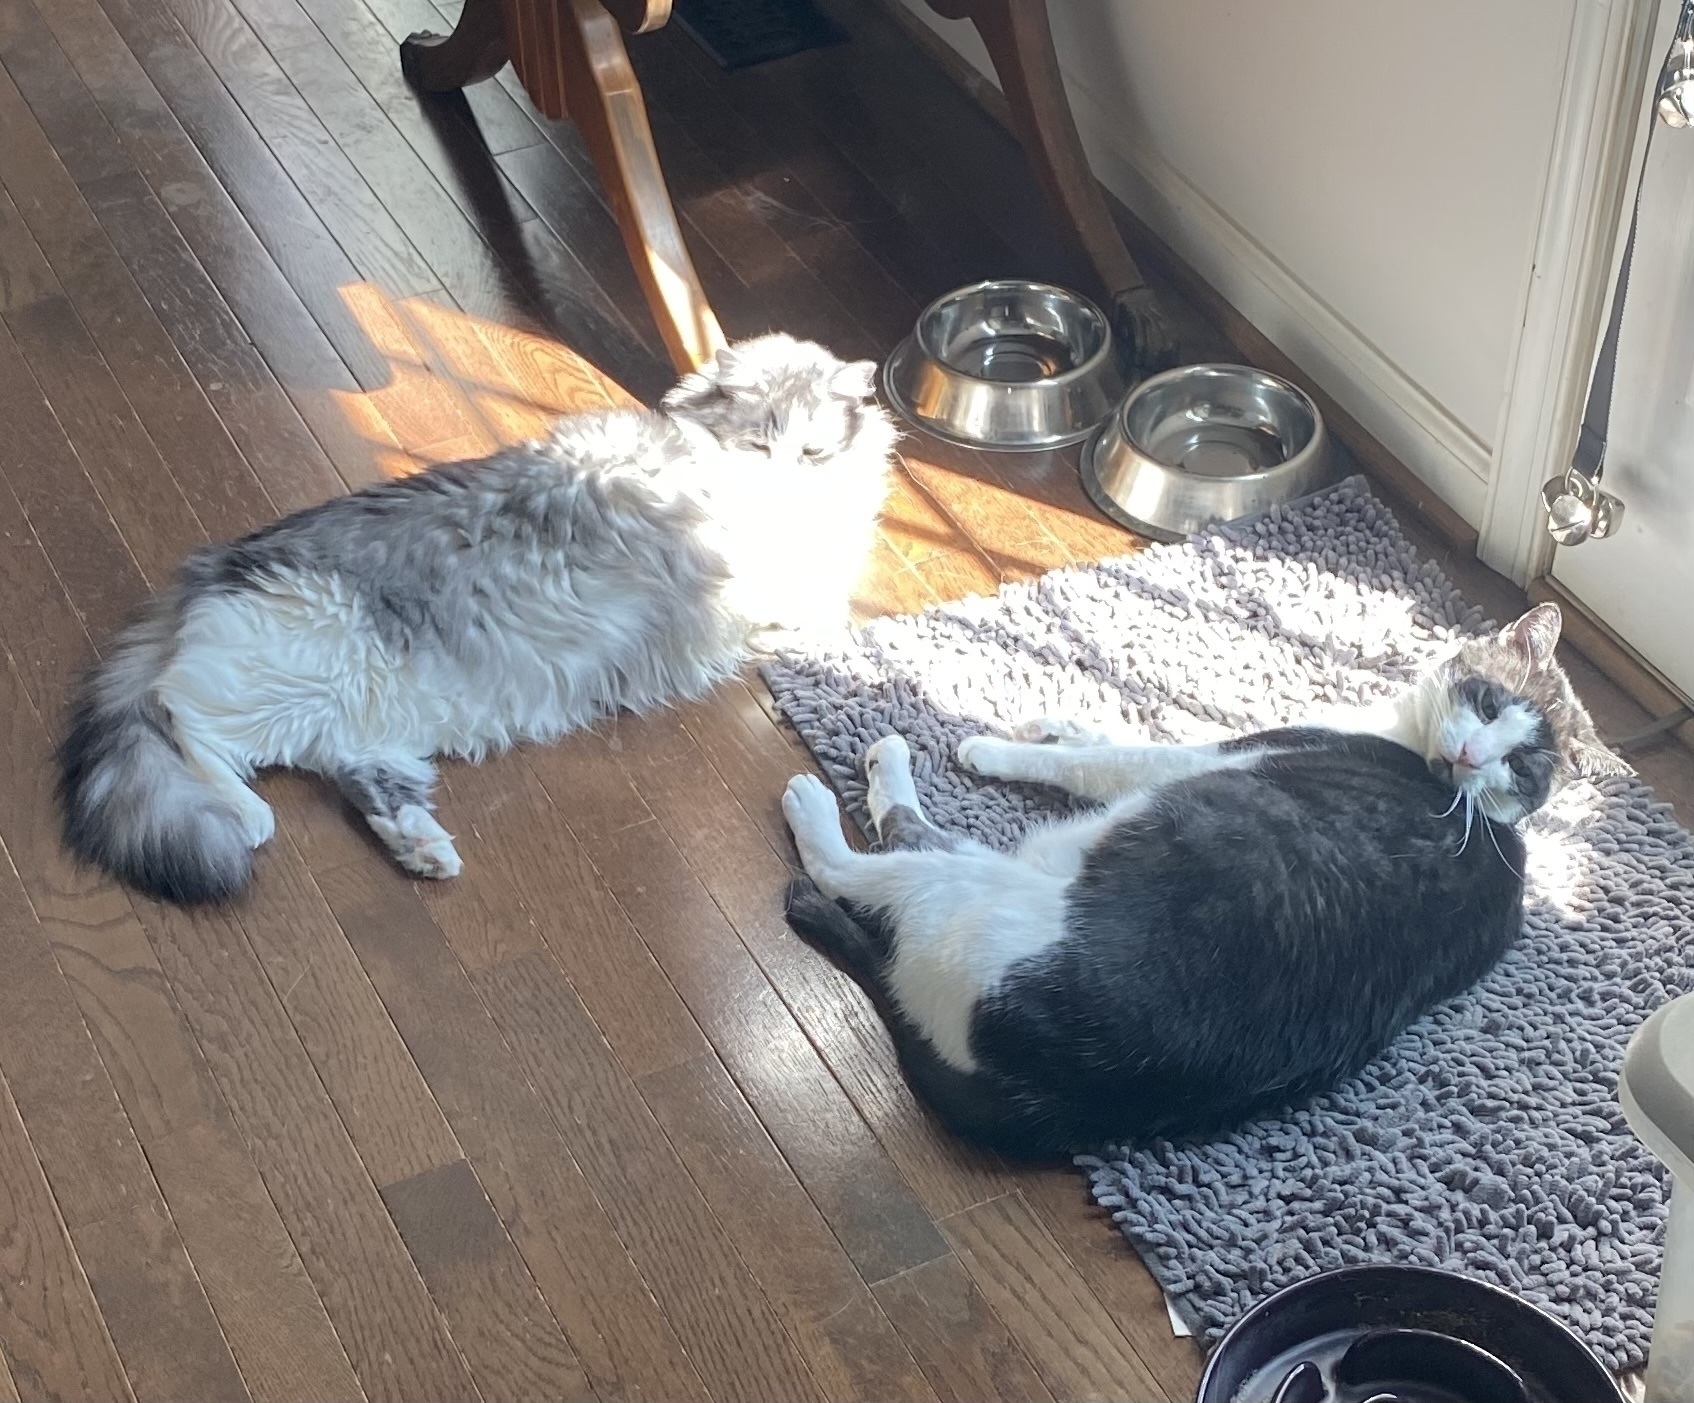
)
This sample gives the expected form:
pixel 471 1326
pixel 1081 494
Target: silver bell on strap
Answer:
pixel 1674 99
pixel 1579 509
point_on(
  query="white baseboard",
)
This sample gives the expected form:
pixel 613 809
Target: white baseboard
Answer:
pixel 1392 407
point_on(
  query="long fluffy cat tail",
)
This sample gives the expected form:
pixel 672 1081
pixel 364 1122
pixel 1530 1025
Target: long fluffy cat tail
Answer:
pixel 131 804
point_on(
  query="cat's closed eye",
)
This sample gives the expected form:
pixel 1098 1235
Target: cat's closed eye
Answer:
pixel 1487 708
pixel 814 455
pixel 1519 762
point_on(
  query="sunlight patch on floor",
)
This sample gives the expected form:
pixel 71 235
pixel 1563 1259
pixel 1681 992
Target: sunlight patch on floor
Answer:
pixel 460 386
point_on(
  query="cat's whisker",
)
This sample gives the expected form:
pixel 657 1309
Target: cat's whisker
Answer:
pixel 1502 856
pixel 1470 817
pixel 1447 812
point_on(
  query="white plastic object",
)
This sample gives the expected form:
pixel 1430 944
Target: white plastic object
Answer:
pixel 1657 1092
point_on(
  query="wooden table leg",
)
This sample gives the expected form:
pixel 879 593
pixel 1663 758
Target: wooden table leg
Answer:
pixel 605 102
pixel 475 50
pixel 1020 42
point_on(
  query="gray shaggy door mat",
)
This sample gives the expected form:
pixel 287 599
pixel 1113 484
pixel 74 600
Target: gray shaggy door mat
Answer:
pixel 1488 1140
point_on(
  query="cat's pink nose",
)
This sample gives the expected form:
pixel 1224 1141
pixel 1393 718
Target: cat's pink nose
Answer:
pixel 1467 756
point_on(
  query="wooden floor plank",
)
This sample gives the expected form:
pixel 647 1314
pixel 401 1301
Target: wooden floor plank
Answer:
pixel 369 1285
pixel 376 1089
pixel 323 1191
pixel 746 879
pixel 268 1310
pixel 885 1226
pixel 547 876
pixel 293 235
pixel 976 183
pixel 192 250
pixel 153 1304
pixel 187 433
pixel 856 123
pixel 853 1350
pixel 156 1310
pixel 722 1319
pixel 514 1346
pixel 1086 1233
pixel 346 1032
pixel 449 250
pixel 965 1350
pixel 481 268
pixel 63 510
pixel 361 223
pixel 923 265
pixel 1061 1325
pixel 570 205
pixel 62 1091
pixel 769 273
pixel 721 1316
pixel 288 442
pixel 272 1315
pixel 455 137
pixel 51 1332
pixel 158 522
pixel 576 1258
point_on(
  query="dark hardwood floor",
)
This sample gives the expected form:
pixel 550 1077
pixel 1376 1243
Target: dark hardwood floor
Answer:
pixel 587 1122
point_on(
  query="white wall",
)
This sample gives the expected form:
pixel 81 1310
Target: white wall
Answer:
pixel 1362 180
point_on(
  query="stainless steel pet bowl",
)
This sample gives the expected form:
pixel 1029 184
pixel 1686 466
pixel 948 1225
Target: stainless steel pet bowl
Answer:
pixel 1205 443
pixel 1008 364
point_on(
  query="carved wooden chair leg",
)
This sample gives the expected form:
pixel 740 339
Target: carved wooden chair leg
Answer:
pixel 1020 42
pixel 604 100
pixel 573 64
pixel 475 50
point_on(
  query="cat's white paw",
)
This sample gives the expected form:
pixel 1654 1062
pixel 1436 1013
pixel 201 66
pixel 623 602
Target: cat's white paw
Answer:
pixel 420 844
pixel 888 768
pixel 258 823
pixel 985 755
pixel 810 807
pixel 814 818
pixel 1057 730
pixel 891 754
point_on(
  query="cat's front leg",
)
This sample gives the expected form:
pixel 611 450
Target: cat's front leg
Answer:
pixel 1094 772
pixel 392 792
pixel 1060 730
pixel 1099 772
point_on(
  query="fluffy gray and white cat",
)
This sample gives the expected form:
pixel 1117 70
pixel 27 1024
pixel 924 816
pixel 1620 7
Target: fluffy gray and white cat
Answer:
pixel 1240 926
pixel 631 559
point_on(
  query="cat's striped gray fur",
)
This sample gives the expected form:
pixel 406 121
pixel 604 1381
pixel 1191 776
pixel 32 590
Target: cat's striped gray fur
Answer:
pixel 633 558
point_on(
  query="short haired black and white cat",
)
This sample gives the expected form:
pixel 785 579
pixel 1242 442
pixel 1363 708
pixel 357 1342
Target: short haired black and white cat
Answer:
pixel 632 558
pixel 1243 925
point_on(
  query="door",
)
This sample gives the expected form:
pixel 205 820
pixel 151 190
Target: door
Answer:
pixel 1639 582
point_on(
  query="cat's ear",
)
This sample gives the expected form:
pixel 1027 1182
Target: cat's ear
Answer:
pixel 1535 635
pixel 734 373
pixel 702 386
pixel 856 380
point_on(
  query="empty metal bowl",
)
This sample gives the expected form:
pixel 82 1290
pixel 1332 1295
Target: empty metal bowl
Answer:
pixel 1205 443
pixel 1008 364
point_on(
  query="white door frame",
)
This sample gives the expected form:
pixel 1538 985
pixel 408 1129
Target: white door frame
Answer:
pixel 1600 126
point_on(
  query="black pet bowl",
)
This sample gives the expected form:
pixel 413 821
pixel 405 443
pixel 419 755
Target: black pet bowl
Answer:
pixel 1395 1334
